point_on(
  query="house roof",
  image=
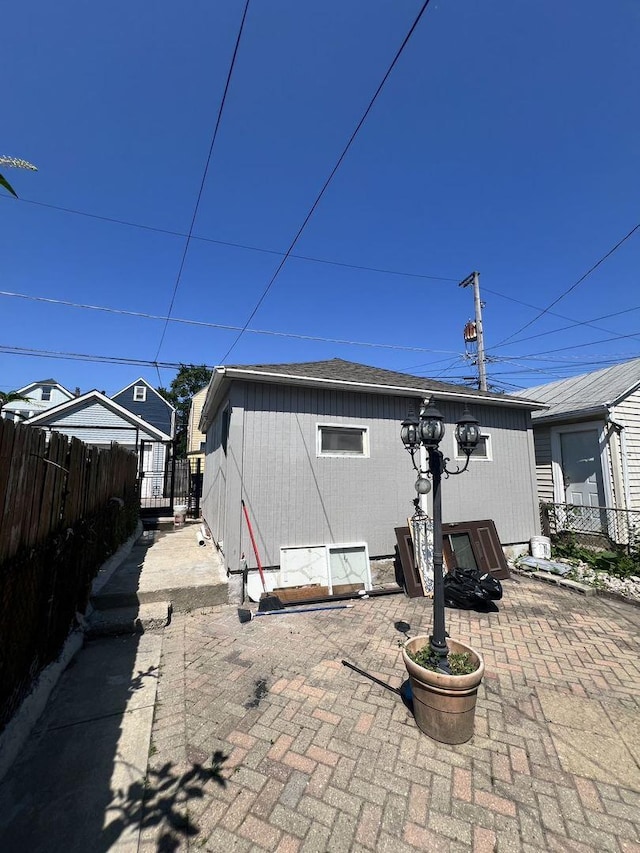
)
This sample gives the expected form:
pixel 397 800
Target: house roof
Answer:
pixel 45 382
pixel 339 374
pixel 51 414
pixel 587 394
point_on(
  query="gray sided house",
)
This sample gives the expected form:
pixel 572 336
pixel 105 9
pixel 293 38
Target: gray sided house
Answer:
pixel 588 440
pixel 314 450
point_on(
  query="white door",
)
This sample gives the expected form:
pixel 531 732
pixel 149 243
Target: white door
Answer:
pixel 583 482
pixel 582 468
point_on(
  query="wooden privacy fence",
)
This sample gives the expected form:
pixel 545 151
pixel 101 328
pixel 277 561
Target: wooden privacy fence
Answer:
pixel 64 508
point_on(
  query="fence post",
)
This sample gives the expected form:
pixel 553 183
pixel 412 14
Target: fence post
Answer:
pixel 198 490
pixel 544 519
pixel 172 489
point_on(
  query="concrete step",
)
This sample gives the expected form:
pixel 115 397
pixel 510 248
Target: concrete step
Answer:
pixel 139 619
pixel 182 598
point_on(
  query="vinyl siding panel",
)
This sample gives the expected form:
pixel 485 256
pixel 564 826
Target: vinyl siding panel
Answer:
pixel 627 413
pixel 154 410
pixel 295 497
pixel 82 423
pixel 194 436
pixel 544 470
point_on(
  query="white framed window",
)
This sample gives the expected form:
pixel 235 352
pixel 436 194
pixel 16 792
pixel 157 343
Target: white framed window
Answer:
pixel 482 450
pixel 46 393
pixel 340 440
pixel 139 393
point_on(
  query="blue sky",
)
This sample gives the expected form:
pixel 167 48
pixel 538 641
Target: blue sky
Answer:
pixel 505 140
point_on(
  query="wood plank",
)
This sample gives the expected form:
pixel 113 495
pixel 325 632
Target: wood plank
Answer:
pixel 14 496
pixel 7 440
pixel 34 483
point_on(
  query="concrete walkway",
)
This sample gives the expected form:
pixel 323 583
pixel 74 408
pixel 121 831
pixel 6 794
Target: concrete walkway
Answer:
pixel 92 742
pixel 263 740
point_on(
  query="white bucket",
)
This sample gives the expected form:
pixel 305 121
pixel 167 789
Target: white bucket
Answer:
pixel 179 513
pixel 540 547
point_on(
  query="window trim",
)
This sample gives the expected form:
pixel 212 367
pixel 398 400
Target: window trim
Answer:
pixel 136 389
pixel 363 428
pixel 459 454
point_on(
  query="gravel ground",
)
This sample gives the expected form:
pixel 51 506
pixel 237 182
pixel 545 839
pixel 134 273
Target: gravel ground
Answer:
pixel 628 587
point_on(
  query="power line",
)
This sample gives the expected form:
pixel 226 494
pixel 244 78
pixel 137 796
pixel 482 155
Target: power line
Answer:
pixel 328 180
pixel 99 359
pixel 204 323
pixel 588 344
pixel 573 287
pixel 573 323
pixel 204 175
pixel 235 245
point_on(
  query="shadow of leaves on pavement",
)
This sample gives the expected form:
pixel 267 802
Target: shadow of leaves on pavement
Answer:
pixel 162 800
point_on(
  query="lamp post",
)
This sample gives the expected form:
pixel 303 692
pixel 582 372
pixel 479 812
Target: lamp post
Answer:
pixel 427 431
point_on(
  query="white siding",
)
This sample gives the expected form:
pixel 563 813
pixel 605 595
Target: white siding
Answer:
pixel 544 470
pixel 95 424
pixel 627 413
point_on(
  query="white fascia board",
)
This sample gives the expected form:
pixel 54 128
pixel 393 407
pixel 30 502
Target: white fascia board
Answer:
pixel 573 415
pixel 373 388
pixel 215 383
pixel 125 414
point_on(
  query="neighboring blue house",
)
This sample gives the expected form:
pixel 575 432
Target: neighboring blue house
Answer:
pixel 145 402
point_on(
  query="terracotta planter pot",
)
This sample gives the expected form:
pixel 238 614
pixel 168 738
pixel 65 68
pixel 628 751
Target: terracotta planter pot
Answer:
pixel 444 706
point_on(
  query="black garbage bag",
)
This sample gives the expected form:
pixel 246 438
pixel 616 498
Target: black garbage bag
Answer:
pixel 471 589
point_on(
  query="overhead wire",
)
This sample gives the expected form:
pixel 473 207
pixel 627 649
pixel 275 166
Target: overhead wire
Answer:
pixel 381 270
pixel 569 289
pixel 235 245
pixel 573 322
pixel 204 175
pixel 320 195
pixel 206 324
pixel 98 359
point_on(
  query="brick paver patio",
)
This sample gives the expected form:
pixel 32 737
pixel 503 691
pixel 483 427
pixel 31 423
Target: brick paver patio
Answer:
pixel 310 756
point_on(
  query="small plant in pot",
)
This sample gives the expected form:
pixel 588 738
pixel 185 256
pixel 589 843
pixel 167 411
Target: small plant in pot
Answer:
pixel 444 703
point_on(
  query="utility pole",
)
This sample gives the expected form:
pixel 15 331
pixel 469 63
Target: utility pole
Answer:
pixel 474 279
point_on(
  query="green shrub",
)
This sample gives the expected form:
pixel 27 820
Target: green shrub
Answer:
pixel 618 562
pixel 460 663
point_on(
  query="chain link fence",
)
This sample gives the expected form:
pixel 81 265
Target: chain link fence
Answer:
pixel 599 525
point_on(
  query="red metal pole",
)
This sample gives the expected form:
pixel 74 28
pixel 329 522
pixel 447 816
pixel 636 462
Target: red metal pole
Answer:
pixel 255 547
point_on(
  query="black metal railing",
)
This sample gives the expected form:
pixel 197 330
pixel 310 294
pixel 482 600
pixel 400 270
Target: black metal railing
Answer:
pixel 618 526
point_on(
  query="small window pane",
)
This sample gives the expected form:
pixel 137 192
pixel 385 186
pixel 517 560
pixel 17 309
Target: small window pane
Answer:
pixel 461 547
pixel 341 440
pixel 139 393
pixel 46 393
pixel 481 449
